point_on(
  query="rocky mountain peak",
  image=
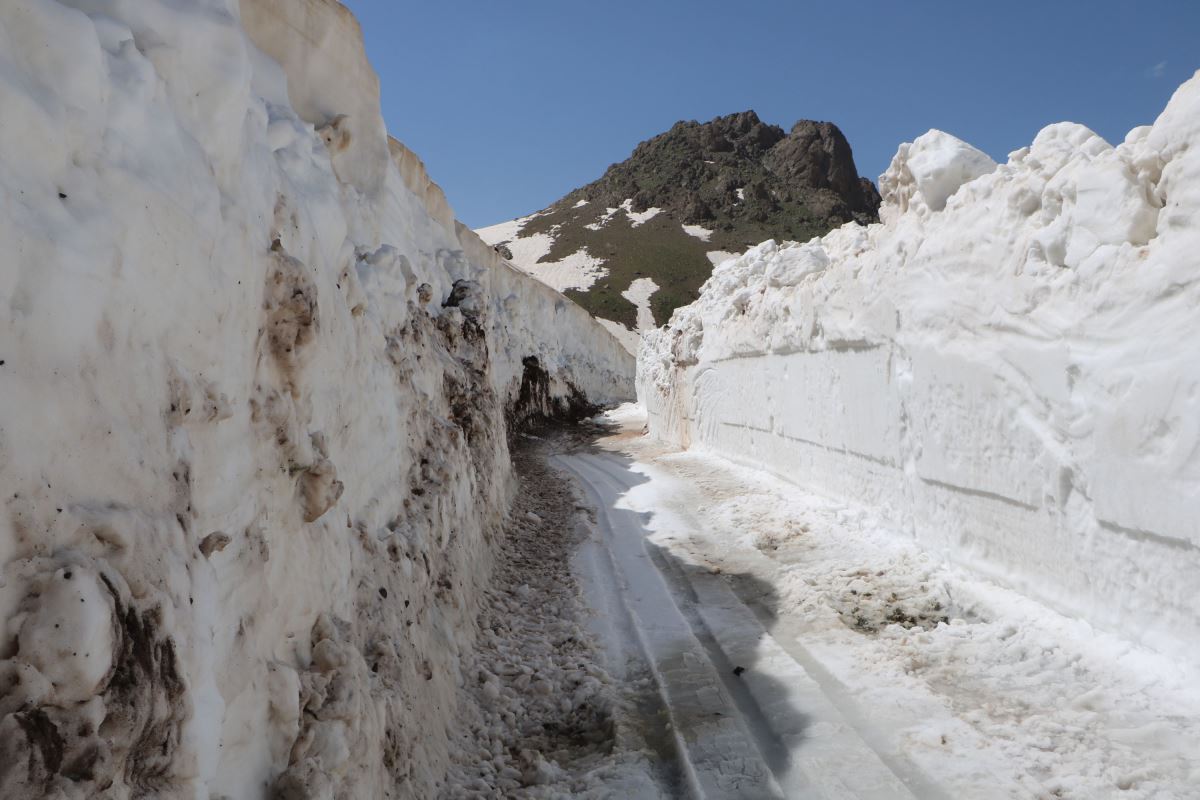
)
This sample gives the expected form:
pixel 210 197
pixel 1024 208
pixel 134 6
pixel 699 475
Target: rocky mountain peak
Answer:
pixel 683 200
pixel 739 166
pixel 742 133
pixel 817 154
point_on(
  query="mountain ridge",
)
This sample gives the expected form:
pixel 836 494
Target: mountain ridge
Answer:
pixel 683 200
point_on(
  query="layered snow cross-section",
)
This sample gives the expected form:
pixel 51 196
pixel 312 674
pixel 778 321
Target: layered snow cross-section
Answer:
pixel 1007 364
pixel 255 388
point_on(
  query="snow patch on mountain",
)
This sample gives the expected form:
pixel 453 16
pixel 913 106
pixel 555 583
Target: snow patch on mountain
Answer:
pixel 720 256
pixel 577 271
pixel 606 217
pixel 506 233
pixel 639 217
pixel 715 257
pixel 639 293
pixel 1005 366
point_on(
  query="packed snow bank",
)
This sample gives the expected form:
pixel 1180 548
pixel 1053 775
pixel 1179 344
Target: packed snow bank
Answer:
pixel 254 384
pixel 1007 365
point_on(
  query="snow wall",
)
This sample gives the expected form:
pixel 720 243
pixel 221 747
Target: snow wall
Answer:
pixel 255 391
pixel 1008 364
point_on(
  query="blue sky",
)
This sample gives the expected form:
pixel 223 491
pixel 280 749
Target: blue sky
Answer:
pixel 513 104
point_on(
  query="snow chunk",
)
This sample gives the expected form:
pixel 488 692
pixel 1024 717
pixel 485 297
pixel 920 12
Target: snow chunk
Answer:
pixel 928 171
pixel 804 260
pixel 68 636
pixel 699 231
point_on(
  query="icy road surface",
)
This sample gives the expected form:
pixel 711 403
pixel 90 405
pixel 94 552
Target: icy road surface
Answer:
pixel 800 648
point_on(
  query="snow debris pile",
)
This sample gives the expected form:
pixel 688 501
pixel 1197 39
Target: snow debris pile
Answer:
pixel 255 391
pixel 1006 365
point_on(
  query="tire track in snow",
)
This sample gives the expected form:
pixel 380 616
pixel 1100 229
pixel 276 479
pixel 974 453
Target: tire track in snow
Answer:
pixel 718 755
pixel 783 715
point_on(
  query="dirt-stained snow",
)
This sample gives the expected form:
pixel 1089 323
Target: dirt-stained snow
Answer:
pixel 255 392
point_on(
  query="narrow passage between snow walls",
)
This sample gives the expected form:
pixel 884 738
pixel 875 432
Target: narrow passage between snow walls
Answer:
pixel 256 392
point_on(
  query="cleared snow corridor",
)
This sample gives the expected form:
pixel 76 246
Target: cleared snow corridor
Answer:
pixel 752 640
pixel 283 516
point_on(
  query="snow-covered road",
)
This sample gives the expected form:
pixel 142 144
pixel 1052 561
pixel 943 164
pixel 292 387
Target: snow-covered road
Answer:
pixel 748 721
pixel 803 649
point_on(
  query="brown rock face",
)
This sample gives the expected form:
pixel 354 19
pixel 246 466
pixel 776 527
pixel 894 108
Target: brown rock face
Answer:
pixel 806 178
pixel 817 155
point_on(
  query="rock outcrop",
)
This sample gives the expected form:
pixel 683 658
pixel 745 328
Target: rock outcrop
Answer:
pixel 684 200
pixel 797 184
